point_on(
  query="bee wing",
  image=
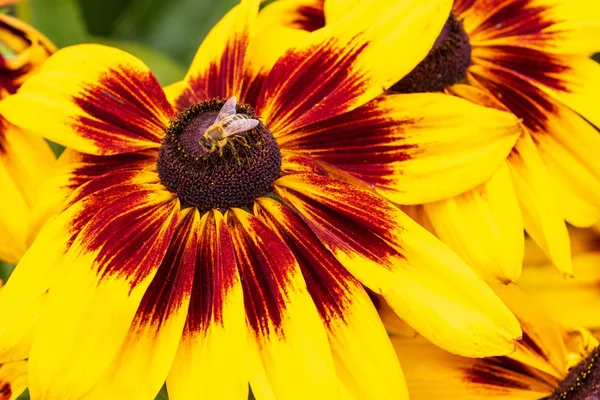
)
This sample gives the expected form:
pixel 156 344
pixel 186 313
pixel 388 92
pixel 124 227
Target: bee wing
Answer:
pixel 231 118
pixel 227 110
pixel 239 126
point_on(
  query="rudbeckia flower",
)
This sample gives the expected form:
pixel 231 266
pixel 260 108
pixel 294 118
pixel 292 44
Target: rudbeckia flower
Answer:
pixel 551 362
pixel 25 160
pixel 205 240
pixel 532 58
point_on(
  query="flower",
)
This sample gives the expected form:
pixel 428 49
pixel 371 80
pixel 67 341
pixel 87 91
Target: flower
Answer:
pixel 25 160
pixel 212 251
pixel 532 58
pixel 551 362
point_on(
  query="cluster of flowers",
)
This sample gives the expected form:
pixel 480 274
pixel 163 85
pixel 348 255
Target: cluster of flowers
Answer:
pixel 336 189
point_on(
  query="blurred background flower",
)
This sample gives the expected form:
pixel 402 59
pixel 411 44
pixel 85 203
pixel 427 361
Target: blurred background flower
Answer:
pixel 25 159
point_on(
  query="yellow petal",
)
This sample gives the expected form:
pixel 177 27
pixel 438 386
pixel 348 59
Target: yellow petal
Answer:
pixel 140 367
pixel 94 99
pixel 569 148
pixel 551 26
pixel 432 373
pixel 576 24
pixel 27 159
pixel 573 301
pixel 218 67
pixel 579 88
pixel 533 371
pixel 423 281
pixel 419 147
pixel 211 361
pixel 44 262
pixel 541 216
pixel 484 226
pixel 90 308
pixel 28 287
pixel 362 354
pixel 14 219
pixel 337 9
pixel 354 56
pixel 543 343
pixel 289 355
pixel 280 26
pixel 174 92
pixel 13 380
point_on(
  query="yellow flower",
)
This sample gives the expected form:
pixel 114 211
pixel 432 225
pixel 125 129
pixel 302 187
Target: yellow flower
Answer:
pixel 532 58
pixel 552 361
pixel 204 240
pixel 25 160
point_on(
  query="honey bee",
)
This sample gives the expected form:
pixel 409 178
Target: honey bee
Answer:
pixel 226 125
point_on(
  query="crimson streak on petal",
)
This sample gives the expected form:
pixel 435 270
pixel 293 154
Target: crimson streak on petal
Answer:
pixel 295 95
pixel 501 372
pixel 216 272
pixel 131 236
pixel 265 265
pixel 510 89
pixel 223 76
pixel 87 167
pixel 343 216
pixel 327 281
pixel 172 283
pixel 534 64
pixel 124 105
pixel 513 18
pixel 309 17
pixel 364 142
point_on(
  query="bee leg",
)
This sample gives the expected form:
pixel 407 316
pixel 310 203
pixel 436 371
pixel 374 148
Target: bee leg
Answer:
pixel 235 154
pixel 243 140
pixel 221 144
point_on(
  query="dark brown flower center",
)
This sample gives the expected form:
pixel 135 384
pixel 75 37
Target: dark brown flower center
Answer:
pixel 445 65
pixel 207 170
pixel 583 381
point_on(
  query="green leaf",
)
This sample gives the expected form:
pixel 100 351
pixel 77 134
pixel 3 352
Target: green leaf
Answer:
pixel 164 68
pixel 24 396
pixel 60 20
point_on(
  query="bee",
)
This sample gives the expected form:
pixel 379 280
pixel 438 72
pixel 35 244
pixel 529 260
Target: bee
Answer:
pixel 226 125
